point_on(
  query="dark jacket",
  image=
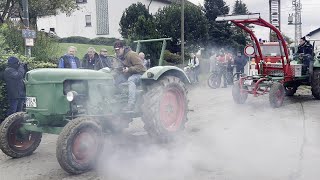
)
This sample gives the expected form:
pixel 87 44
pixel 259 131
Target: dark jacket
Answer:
pixel 240 62
pixel 13 77
pixel 64 61
pixel 132 60
pixel 88 63
pixel 103 61
pixel 305 48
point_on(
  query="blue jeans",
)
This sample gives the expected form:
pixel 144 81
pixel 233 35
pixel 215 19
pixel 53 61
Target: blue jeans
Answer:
pixel 15 105
pixel 133 80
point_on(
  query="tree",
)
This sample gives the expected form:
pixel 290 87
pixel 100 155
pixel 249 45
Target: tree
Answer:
pixel 135 17
pixel 239 37
pixel 137 23
pixel 37 8
pixel 196 31
pixel 219 32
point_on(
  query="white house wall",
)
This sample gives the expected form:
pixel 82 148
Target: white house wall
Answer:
pixel 316 36
pixel 74 25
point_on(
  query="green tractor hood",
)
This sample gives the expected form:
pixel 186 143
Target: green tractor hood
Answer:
pixel 54 75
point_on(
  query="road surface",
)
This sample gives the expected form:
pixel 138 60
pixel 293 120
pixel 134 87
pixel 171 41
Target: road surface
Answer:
pixel 222 141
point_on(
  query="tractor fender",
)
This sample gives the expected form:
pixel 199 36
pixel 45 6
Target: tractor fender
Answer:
pixel 157 72
pixel 316 63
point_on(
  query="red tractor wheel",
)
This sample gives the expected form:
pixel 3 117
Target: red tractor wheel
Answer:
pixel 165 108
pixel 16 143
pixel 276 95
pixel 239 96
pixel 79 145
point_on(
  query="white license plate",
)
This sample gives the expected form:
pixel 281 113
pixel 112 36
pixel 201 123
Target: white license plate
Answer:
pixel 31 102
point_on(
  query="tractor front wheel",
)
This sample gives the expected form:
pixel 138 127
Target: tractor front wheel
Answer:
pixel 79 145
pixel 214 81
pixel 239 95
pixel 276 95
pixel 165 108
pixel 14 142
pixel 315 86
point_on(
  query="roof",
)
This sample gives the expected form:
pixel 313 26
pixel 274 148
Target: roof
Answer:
pixel 313 32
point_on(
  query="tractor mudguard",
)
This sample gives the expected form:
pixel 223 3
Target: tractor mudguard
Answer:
pixel 316 63
pixel 156 72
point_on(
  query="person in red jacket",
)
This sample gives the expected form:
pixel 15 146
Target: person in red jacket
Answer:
pixel 223 59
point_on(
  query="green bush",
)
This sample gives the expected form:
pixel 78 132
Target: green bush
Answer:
pixel 103 41
pixel 172 58
pixel 75 39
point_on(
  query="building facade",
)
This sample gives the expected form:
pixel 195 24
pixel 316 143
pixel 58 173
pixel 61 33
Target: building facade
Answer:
pixel 95 18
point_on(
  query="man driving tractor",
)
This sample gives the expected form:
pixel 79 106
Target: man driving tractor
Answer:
pixel 132 70
pixel 305 48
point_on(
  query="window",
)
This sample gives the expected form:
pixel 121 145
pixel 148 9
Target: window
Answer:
pixel 81 1
pixel 88 20
pixel 102 17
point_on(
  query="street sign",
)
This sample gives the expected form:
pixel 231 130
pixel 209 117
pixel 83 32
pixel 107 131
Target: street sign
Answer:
pixel 29 42
pixel 249 50
pixel 27 33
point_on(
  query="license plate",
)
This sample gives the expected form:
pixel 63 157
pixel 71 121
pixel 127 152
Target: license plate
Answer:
pixel 31 102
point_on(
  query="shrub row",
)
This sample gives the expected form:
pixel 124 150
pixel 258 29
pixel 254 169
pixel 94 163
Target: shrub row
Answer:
pixel 84 40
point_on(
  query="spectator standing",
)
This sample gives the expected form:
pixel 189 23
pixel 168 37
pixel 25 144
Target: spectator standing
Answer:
pixel 69 60
pixel 89 60
pixel 13 76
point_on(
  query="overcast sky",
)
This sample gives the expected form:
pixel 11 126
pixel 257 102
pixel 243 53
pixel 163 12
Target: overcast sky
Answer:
pixel 310 14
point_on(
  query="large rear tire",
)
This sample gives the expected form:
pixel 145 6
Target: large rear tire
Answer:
pixel 315 86
pixel 276 95
pixel 79 145
pixel 214 81
pixel 239 96
pixel 15 143
pixel 165 108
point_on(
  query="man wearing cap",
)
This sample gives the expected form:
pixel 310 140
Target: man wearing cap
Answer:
pixel 69 60
pixel 305 48
pixel 103 60
pixel 13 76
pixel 132 70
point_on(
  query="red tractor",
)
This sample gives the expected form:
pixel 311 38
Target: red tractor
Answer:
pixel 271 70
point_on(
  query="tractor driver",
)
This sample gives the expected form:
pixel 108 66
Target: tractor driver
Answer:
pixel 305 48
pixel 132 70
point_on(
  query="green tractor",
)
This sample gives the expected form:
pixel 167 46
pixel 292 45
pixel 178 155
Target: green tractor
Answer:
pixel 81 106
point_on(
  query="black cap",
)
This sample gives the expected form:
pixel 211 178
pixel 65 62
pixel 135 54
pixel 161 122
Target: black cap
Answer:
pixel 303 38
pixel 118 44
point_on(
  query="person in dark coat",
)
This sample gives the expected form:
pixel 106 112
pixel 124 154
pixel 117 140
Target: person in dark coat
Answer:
pixel 306 49
pixel 13 76
pixel 69 60
pixel 103 60
pixel 240 61
pixel 90 59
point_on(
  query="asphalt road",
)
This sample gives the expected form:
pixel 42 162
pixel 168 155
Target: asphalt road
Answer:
pixel 222 141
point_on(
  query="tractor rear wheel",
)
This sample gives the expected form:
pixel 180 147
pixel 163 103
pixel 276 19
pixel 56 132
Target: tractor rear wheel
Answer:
pixel 164 110
pixel 79 145
pixel 214 81
pixel 239 96
pixel 276 95
pixel 315 86
pixel 15 143
pixel 290 91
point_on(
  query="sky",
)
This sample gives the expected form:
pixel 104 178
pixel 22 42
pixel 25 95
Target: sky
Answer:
pixel 310 14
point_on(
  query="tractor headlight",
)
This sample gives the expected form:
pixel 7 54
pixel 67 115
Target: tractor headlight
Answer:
pixel 150 74
pixel 71 95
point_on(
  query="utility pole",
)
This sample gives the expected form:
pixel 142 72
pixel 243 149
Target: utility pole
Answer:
pixel 26 24
pixel 297 21
pixel 182 31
